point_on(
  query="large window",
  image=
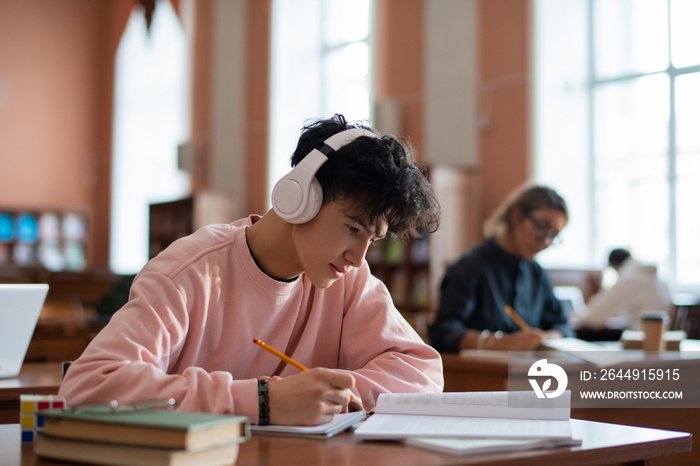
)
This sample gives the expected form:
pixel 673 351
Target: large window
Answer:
pixel 321 56
pixel 617 92
pixel 150 120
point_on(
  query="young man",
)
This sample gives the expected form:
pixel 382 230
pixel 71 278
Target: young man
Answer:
pixel 295 278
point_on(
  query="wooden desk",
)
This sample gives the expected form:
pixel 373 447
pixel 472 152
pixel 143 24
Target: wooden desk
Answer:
pixel 476 371
pixel 602 444
pixel 34 378
pixel 488 371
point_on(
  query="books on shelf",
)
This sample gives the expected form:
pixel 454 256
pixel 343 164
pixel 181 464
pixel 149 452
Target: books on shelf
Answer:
pixel 129 437
pixel 338 424
pixel 420 292
pixel 466 414
pixel 395 252
pixel 420 251
pixel 398 287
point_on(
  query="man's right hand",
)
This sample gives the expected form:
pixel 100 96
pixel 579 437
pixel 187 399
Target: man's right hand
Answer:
pixel 310 397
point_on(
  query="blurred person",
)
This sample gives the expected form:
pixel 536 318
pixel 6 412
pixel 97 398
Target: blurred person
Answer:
pixel 636 290
pixel 502 271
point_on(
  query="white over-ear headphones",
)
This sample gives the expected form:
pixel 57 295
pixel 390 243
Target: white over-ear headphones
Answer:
pixel 298 196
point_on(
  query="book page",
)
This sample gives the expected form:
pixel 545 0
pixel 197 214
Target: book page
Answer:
pixel 472 404
pixel 399 426
pixel 474 446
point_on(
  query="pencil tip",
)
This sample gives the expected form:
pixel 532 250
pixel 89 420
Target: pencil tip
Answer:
pixel 255 340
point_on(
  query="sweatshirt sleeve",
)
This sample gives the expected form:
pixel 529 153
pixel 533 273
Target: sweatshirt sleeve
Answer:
pixel 129 359
pixel 384 352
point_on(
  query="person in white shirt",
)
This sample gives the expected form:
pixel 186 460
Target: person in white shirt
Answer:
pixel 636 290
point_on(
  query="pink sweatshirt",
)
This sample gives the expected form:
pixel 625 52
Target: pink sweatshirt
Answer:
pixel 194 310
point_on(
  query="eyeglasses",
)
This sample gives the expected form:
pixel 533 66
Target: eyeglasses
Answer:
pixel 543 232
pixel 113 407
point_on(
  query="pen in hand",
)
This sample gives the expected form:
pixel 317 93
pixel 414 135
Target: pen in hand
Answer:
pixel 294 363
pixel 280 355
pixel 518 320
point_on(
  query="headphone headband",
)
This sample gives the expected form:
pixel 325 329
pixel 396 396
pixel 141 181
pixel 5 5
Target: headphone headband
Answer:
pixel 298 196
pixel 345 137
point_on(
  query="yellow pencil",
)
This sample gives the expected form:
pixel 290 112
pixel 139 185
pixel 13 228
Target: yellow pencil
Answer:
pixel 280 355
pixel 518 320
pixel 291 361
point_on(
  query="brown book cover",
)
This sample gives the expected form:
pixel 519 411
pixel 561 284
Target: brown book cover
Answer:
pixel 130 455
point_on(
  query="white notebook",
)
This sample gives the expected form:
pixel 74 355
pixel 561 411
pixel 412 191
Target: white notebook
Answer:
pixel 480 446
pixel 340 423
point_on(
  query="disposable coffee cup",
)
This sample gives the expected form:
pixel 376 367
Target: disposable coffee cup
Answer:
pixel 654 324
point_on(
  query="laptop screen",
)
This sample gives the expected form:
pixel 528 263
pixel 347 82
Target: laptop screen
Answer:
pixel 20 306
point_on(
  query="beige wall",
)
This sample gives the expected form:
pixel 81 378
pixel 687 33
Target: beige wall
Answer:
pixel 56 71
pixel 258 103
pixel 503 75
pixel 399 63
pixel 56 68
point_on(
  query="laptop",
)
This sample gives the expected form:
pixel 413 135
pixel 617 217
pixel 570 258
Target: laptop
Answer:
pixel 20 306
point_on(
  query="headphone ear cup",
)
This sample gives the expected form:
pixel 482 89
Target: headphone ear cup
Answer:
pixel 298 196
pixel 313 203
pixel 286 197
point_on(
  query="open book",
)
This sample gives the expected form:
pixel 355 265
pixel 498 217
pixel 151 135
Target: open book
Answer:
pixel 466 414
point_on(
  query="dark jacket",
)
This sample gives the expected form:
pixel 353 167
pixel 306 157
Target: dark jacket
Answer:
pixel 476 288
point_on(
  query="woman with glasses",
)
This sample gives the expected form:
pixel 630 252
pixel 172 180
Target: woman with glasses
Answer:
pixel 496 296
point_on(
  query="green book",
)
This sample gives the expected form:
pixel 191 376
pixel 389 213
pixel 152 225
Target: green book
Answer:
pixel 153 428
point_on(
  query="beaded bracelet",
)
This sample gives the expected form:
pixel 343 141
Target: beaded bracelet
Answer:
pixel 483 336
pixel 263 403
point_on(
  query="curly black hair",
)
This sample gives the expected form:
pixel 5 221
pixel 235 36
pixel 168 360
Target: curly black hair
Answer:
pixel 618 256
pixel 378 173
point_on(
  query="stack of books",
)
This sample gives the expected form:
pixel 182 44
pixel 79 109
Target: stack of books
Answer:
pixel 141 437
